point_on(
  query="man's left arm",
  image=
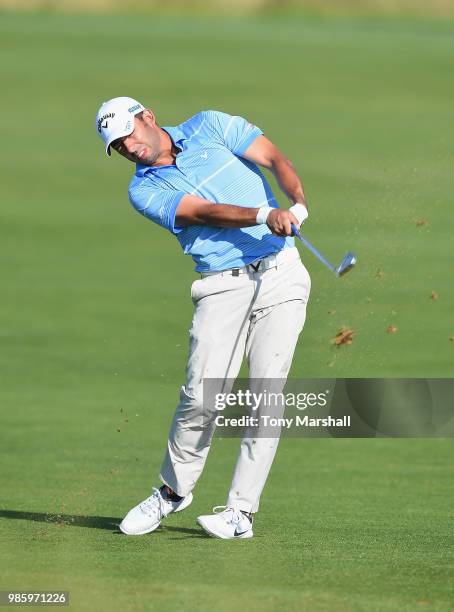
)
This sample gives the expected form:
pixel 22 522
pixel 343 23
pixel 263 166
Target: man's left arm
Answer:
pixel 264 153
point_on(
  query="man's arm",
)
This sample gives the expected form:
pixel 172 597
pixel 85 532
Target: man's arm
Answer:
pixel 263 152
pixel 193 210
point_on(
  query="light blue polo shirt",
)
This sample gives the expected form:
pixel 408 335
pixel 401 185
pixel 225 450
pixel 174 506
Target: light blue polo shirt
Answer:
pixel 210 165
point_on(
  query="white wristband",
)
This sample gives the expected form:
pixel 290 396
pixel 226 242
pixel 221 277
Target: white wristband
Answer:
pixel 300 212
pixel 263 213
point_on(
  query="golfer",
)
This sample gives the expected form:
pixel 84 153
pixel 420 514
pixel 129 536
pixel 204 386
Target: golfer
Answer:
pixel 200 180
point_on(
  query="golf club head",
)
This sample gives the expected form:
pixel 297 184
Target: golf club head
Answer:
pixel 346 264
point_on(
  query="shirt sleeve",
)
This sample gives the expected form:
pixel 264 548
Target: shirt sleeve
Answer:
pixel 234 132
pixel 157 204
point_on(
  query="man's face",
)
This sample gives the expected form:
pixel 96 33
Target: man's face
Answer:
pixel 143 145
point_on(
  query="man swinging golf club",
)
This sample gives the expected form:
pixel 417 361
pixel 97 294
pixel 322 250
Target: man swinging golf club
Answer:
pixel 200 180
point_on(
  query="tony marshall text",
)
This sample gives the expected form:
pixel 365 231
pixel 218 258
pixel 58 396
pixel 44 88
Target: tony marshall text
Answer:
pixel 286 422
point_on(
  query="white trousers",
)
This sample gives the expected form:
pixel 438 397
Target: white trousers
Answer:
pixel 257 313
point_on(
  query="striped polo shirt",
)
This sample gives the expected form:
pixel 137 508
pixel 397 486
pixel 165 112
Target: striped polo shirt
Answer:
pixel 211 165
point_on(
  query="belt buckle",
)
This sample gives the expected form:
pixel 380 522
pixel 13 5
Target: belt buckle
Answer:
pixel 257 266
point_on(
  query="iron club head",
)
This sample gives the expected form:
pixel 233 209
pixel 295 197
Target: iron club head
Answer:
pixel 346 264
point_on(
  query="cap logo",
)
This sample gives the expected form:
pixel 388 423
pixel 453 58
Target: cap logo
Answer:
pixel 134 108
pixel 103 118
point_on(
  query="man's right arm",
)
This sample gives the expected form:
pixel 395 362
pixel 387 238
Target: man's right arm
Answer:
pixel 193 210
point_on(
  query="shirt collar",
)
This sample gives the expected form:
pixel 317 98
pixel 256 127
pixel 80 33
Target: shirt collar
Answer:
pixel 176 134
pixel 178 137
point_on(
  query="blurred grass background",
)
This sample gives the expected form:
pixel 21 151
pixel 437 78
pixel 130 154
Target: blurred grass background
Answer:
pixel 431 8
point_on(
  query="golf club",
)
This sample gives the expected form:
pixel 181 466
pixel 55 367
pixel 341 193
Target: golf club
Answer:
pixel 345 265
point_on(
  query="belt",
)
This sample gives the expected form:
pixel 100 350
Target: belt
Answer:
pixel 257 266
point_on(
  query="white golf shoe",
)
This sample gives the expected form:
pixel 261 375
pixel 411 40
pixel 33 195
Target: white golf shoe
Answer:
pixel 227 523
pixel 147 516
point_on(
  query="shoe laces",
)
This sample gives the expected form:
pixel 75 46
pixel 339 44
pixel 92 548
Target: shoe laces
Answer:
pixel 154 504
pixel 232 516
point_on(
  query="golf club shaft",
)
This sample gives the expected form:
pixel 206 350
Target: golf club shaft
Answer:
pixel 313 249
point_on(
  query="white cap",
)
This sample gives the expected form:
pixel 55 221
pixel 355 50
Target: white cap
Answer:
pixel 115 119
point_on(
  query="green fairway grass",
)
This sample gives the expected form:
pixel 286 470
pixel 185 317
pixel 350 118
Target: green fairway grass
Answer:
pixel 95 310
